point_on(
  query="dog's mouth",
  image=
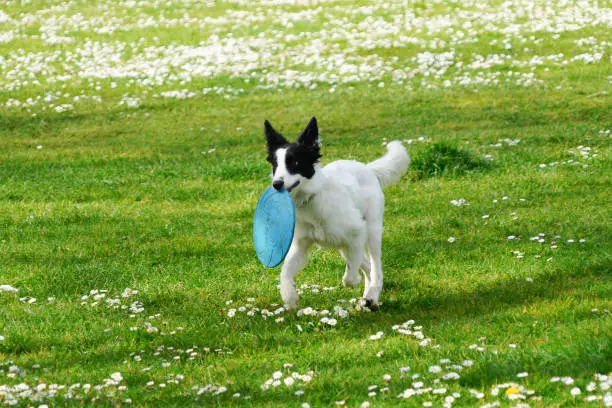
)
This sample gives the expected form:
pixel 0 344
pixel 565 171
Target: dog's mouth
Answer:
pixel 293 186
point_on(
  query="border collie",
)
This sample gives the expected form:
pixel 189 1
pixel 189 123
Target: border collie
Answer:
pixel 340 205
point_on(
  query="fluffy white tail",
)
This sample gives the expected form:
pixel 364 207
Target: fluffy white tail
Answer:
pixel 392 166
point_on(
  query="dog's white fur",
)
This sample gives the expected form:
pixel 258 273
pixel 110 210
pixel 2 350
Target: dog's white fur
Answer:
pixel 341 206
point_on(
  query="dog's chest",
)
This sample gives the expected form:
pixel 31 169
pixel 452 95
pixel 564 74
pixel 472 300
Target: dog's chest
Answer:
pixel 315 230
pixel 327 228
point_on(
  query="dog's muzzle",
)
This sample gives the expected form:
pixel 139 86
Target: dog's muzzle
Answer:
pixel 278 185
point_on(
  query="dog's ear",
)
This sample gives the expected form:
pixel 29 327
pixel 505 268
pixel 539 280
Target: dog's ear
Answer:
pixel 273 138
pixel 310 135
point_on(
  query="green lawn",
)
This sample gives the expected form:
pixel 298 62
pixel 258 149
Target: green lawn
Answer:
pixel 140 155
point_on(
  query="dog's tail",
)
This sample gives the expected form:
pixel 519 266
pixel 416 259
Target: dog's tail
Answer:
pixel 392 166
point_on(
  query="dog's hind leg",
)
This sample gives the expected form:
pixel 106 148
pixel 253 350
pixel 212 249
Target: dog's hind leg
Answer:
pixel 365 270
pixel 296 261
pixel 353 256
pixel 372 291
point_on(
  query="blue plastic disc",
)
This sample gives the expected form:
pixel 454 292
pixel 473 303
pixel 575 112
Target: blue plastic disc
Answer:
pixel 273 226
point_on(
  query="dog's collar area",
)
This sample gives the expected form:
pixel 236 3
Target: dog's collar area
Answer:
pixel 302 199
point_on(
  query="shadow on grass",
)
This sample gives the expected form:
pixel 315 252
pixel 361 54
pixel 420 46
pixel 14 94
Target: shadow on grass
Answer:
pixel 500 294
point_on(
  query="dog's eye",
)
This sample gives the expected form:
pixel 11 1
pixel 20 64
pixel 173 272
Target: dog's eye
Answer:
pixel 292 162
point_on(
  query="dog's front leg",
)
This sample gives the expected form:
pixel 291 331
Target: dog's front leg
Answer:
pixel 296 261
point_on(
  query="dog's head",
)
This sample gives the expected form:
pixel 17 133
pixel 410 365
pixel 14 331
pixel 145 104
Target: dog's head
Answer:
pixel 293 164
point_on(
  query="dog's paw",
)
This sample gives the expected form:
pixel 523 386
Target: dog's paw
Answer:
pixel 351 280
pixel 291 306
pixel 373 306
pixel 291 303
pixel 289 295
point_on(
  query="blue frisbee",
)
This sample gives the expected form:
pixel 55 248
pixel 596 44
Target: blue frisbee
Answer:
pixel 273 226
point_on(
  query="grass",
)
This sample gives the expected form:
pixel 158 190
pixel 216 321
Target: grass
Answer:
pixel 119 198
pixel 445 160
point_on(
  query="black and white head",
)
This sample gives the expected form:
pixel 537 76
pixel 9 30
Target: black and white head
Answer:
pixel 293 164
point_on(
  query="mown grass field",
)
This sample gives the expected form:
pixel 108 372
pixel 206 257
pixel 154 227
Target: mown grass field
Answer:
pixel 134 182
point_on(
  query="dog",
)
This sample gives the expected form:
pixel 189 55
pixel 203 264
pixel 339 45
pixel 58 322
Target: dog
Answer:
pixel 340 205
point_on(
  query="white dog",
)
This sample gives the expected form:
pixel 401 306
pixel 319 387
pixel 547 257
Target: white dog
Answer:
pixel 340 205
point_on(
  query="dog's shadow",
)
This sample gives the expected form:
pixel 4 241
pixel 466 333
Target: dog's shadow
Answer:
pixel 430 302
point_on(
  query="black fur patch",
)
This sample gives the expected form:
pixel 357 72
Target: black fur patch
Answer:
pixel 274 141
pixel 302 155
pixel 301 159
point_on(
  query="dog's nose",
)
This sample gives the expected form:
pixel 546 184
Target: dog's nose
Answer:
pixel 278 185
